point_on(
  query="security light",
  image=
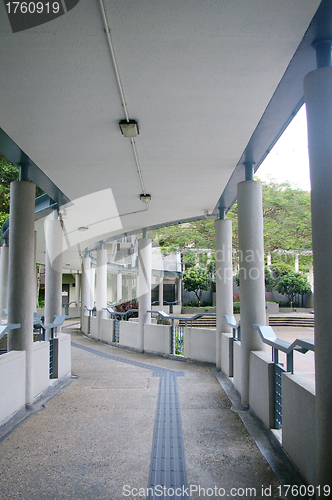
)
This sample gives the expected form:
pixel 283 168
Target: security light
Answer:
pixel 129 128
pixel 145 198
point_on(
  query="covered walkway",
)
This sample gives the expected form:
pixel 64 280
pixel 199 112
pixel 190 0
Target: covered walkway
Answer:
pixel 94 439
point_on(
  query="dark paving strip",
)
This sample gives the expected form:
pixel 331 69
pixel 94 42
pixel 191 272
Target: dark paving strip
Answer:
pixel 168 476
pixel 157 372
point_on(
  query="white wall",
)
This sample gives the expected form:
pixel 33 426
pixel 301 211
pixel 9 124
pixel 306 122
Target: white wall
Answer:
pixel 62 346
pixel 128 334
pixel 200 344
pixel 41 355
pixel 261 386
pixel 299 422
pixel 106 330
pixel 157 338
pixel 94 327
pixel 12 386
pixel 237 366
pixel 84 325
pixel 227 353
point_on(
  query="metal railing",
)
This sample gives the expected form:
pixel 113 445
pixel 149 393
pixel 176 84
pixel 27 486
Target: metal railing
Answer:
pixel 236 326
pixel 177 331
pixel 300 345
pixel 66 306
pixel 57 323
pixel 123 317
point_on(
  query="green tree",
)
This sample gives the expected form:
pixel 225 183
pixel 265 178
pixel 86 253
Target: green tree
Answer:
pixel 292 284
pixel 188 235
pixel 8 174
pixel 287 223
pixel 196 279
pixel 287 217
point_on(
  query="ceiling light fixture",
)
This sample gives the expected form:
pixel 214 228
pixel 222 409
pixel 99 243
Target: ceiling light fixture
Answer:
pixel 145 198
pixel 129 128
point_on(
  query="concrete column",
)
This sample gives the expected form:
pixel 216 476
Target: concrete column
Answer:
pixel 318 98
pixel 161 291
pixel 296 262
pixel 144 286
pixel 53 269
pixel 130 287
pixel 4 260
pixel 269 260
pixel 87 284
pixel 22 272
pixel 179 289
pixel 252 277
pixel 311 274
pixel 118 287
pixel 77 288
pixel 224 280
pixel 101 282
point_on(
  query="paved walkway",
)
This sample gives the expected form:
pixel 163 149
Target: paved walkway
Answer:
pixel 104 435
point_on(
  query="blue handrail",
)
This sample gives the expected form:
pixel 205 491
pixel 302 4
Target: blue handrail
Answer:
pixel 230 319
pixel 300 345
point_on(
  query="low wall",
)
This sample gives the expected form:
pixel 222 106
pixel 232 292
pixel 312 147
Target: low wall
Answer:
pixel 74 311
pixel 200 344
pixel 12 386
pixel 237 366
pixel 128 334
pixel 299 423
pixel 94 327
pixel 157 338
pixel 106 330
pixel 40 368
pixel 84 324
pixel 165 308
pixel 227 353
pixel 261 386
pixel 62 355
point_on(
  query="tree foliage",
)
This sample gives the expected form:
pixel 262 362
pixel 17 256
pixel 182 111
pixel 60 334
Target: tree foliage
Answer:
pixel 188 235
pixel 196 279
pixel 287 217
pixel 292 284
pixel 287 225
pixel 8 174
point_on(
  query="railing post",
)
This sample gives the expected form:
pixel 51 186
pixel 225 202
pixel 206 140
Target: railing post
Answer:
pixel 173 338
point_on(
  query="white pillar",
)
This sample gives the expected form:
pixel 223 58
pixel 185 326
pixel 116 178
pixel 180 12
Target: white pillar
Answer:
pixel 101 282
pixel 318 98
pixel 118 287
pixel 179 289
pixel 296 262
pixel 144 287
pixel 4 259
pixel 311 274
pixel 53 269
pixel 161 292
pixel 77 288
pixel 224 280
pixel 87 284
pixel 252 276
pixel 22 272
pixel 130 287
pixel 269 260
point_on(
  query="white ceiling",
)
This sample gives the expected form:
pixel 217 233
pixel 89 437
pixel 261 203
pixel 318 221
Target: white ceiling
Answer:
pixel 197 75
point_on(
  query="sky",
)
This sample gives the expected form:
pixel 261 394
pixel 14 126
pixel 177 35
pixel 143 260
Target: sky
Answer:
pixel 288 160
